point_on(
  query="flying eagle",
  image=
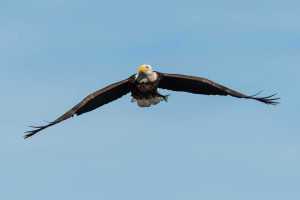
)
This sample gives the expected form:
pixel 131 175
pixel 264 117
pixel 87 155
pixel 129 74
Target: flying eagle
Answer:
pixel 143 87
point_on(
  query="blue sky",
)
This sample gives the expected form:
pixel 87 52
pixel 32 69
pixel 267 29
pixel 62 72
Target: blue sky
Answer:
pixel 54 53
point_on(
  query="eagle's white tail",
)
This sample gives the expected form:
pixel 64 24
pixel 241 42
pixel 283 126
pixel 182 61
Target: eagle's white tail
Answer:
pixel 148 102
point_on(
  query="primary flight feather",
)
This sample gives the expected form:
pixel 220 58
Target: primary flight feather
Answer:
pixel 143 87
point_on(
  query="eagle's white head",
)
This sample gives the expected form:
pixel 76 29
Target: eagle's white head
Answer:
pixel 146 69
pixel 146 74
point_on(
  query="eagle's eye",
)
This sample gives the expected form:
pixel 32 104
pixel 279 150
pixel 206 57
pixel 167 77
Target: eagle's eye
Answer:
pixel 147 67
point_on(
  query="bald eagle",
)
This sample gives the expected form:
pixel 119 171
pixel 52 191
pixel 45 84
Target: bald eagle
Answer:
pixel 143 87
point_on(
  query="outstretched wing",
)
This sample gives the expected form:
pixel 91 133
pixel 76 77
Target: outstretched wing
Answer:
pixel 91 102
pixel 198 85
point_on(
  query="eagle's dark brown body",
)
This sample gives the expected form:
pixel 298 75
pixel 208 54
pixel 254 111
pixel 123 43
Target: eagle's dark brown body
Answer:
pixel 145 90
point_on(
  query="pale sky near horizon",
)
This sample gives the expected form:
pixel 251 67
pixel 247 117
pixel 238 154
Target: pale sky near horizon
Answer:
pixel 54 53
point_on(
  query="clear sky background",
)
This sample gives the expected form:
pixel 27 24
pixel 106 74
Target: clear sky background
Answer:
pixel 53 53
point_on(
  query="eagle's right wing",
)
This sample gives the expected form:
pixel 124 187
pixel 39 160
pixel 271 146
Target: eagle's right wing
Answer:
pixel 91 102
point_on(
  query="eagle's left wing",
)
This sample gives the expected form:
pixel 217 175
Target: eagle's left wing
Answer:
pixel 198 85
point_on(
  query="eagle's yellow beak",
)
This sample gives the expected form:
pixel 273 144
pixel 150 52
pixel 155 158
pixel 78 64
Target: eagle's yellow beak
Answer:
pixel 142 69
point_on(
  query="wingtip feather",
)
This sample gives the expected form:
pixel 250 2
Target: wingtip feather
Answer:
pixel 267 100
